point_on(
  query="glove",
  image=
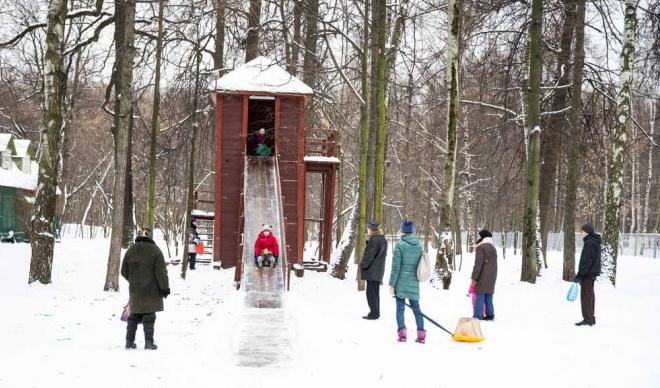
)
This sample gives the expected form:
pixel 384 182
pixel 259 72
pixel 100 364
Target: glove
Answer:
pixel 164 293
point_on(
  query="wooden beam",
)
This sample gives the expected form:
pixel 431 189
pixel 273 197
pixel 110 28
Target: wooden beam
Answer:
pixel 217 222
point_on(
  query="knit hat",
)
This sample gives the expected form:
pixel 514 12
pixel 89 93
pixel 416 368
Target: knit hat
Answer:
pixel 373 225
pixel 266 227
pixel 407 227
pixel 588 228
pixel 262 131
pixel 144 232
pixel 485 233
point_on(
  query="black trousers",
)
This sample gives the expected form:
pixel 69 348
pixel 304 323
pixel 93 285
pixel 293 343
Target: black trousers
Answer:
pixel 373 298
pixel 191 259
pixel 148 322
pixel 588 299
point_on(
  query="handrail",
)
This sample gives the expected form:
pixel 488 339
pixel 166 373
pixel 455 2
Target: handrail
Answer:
pixel 283 253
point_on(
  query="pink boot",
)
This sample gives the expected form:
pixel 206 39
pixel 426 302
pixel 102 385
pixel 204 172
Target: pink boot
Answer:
pixel 421 336
pixel 402 335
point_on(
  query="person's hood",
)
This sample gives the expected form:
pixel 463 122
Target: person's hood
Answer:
pixel 263 235
pixel 485 240
pixel 595 237
pixel 144 239
pixel 410 239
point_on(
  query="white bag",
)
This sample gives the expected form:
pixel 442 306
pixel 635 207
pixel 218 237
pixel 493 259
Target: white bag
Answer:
pixel 424 268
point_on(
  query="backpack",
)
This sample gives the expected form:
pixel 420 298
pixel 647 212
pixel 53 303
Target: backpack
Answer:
pixel 424 268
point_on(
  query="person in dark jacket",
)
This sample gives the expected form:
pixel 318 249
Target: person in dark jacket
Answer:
pixel 144 268
pixel 404 283
pixel 588 271
pixel 193 240
pixel 484 275
pixel 372 267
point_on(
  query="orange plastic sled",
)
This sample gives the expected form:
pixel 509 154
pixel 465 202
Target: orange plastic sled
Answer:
pixel 199 249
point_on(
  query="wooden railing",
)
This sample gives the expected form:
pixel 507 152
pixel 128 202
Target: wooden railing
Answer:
pixel 323 142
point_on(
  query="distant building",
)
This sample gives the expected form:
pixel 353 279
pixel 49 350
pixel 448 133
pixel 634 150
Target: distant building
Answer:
pixel 18 183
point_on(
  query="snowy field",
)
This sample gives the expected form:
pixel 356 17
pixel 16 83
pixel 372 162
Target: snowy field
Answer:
pixel 68 334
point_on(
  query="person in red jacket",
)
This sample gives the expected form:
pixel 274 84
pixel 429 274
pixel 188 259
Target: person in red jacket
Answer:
pixel 266 245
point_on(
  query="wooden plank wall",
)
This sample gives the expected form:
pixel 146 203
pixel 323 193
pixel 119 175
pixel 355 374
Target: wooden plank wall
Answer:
pixel 291 168
pixel 231 157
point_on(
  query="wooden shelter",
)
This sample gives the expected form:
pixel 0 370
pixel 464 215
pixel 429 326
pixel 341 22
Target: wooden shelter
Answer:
pixel 261 94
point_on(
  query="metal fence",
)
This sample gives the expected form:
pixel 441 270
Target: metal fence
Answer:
pixel 630 244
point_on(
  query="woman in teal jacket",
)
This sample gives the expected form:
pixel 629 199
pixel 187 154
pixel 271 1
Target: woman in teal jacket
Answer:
pixel 403 280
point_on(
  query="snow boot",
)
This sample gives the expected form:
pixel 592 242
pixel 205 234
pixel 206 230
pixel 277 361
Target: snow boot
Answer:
pixel 402 335
pixel 149 345
pixel 586 322
pixel 489 318
pixel 130 345
pixel 421 336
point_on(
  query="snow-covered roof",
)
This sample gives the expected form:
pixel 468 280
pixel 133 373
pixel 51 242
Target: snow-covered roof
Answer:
pixel 18 179
pixel 201 213
pixel 322 159
pixel 260 75
pixel 22 146
pixel 5 138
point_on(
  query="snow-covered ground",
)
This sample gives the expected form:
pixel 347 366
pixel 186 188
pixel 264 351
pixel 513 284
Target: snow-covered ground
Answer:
pixel 68 334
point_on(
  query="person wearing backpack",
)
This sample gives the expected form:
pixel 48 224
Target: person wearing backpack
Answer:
pixel 484 275
pixel 404 283
pixel 372 267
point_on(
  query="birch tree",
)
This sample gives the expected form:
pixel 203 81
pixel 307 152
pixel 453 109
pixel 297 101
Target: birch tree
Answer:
pixel 43 229
pixel 610 249
pixel 444 257
pixel 529 250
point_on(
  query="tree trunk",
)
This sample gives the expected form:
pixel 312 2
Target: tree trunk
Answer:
pixel 127 228
pixel 615 186
pixel 292 67
pixel 445 255
pixel 254 24
pixel 151 206
pixel 43 215
pixel 191 165
pixel 123 78
pixel 346 246
pixel 364 142
pixel 529 251
pixel 551 139
pixel 380 20
pixel 568 273
pixel 310 62
pixel 649 176
pixel 219 54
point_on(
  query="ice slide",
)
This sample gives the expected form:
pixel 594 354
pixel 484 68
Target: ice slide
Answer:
pixel 262 197
pixel 265 333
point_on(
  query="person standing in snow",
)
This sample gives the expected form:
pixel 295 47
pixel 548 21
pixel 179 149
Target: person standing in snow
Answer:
pixel 588 271
pixel 265 244
pixel 403 280
pixel 144 268
pixel 484 276
pixel 372 267
pixel 193 240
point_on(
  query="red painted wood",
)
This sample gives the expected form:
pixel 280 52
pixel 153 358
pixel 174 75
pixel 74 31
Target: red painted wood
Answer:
pixel 301 178
pixel 218 178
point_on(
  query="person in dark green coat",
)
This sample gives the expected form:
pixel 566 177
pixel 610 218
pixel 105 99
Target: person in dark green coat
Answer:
pixel 372 267
pixel 403 280
pixel 144 268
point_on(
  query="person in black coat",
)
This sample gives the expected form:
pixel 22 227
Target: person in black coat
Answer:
pixel 372 267
pixel 144 268
pixel 588 271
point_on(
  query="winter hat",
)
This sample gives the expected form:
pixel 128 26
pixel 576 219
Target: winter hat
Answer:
pixel 144 232
pixel 588 228
pixel 266 227
pixel 262 131
pixel 373 225
pixel 407 227
pixel 485 233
